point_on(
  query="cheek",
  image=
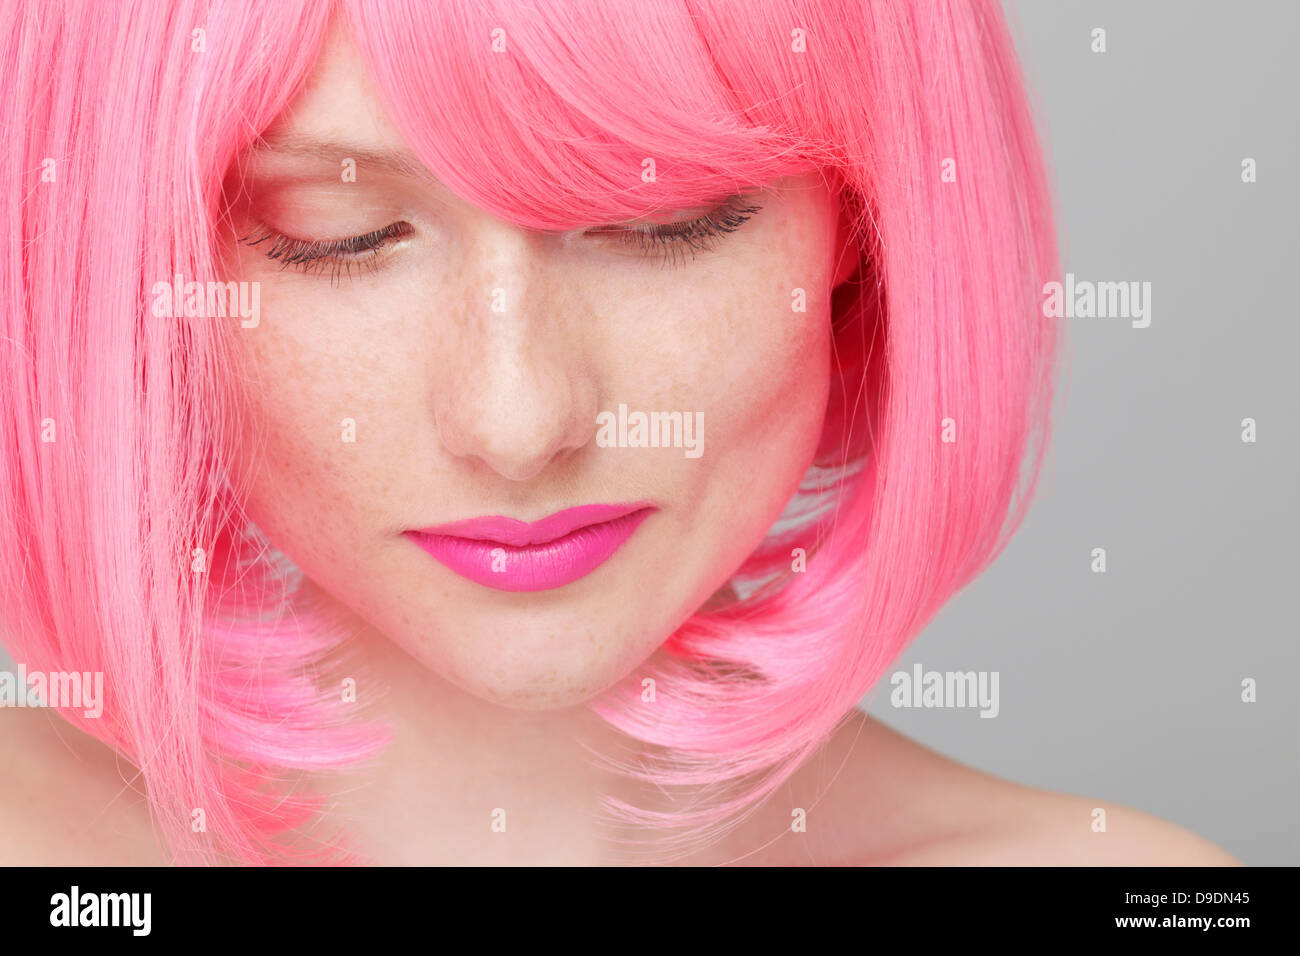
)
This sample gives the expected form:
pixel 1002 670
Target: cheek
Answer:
pixel 748 345
pixel 321 416
pixel 767 393
pixel 743 339
pixel 728 342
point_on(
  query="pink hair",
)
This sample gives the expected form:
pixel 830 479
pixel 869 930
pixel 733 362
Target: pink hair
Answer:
pixel 211 675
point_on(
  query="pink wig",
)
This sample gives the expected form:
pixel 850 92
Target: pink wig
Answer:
pixel 124 548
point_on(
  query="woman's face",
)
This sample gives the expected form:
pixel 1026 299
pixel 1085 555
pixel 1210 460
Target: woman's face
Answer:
pixel 457 371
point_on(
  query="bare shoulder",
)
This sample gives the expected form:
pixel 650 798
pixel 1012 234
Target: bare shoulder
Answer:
pixel 892 800
pixel 67 800
pixel 1059 831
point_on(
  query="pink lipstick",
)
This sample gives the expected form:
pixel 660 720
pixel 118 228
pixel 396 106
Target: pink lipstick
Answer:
pixel 512 555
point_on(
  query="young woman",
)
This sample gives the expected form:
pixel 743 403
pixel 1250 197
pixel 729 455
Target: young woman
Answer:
pixel 493 432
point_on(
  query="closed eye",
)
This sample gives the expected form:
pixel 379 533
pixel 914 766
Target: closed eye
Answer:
pixel 670 241
pixel 340 255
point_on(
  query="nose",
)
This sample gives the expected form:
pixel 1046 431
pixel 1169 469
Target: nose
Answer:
pixel 514 389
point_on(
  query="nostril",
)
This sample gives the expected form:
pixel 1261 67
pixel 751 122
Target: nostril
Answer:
pixel 516 412
pixel 516 470
pixel 516 449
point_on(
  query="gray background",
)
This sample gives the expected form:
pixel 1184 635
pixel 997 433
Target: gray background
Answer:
pixel 1127 686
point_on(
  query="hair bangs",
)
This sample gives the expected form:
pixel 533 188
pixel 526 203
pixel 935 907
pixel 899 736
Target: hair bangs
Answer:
pixel 555 116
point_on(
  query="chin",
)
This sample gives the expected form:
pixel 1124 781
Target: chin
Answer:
pixel 529 665
pixel 539 689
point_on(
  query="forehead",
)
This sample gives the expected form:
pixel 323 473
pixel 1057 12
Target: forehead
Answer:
pixel 338 103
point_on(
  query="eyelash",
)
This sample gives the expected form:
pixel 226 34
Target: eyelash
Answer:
pixel 673 242
pixel 313 255
pixel 681 241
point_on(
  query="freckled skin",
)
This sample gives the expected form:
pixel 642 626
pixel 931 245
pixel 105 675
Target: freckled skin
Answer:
pixel 462 411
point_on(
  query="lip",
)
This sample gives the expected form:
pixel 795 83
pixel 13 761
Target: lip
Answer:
pixel 512 555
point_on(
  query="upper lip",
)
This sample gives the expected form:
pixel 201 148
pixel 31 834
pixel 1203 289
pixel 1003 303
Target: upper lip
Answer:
pixel 516 533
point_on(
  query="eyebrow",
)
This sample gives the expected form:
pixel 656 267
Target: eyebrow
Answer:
pixel 401 162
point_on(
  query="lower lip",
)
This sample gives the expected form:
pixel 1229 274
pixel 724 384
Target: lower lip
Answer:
pixel 534 567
